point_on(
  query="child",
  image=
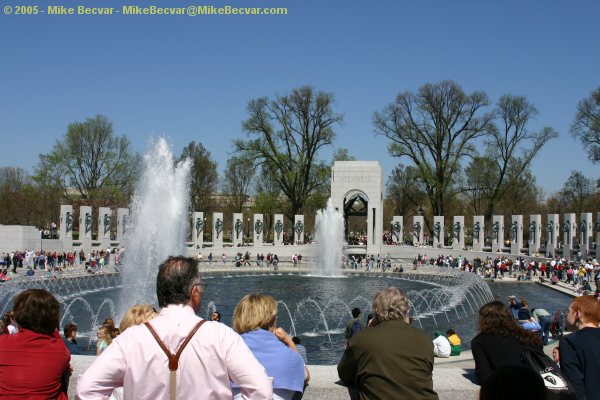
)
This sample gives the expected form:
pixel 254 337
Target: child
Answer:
pixel 455 344
pixel 104 339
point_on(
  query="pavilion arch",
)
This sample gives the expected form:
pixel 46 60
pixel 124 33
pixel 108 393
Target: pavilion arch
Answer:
pixel 357 189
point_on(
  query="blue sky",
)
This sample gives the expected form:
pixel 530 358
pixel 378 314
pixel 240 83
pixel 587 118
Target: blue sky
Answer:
pixel 190 78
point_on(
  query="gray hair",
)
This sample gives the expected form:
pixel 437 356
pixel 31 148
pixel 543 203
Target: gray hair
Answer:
pixel 176 277
pixel 390 304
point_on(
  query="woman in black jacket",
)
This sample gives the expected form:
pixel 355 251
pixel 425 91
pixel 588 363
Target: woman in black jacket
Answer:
pixel 500 340
pixel 580 351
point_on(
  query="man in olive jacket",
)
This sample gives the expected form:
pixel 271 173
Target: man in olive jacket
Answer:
pixel 390 359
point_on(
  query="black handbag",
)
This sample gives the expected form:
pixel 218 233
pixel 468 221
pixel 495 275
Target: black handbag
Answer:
pixel 557 385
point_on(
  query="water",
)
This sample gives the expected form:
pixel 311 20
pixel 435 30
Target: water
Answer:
pixel 157 223
pixel 330 239
pixel 313 308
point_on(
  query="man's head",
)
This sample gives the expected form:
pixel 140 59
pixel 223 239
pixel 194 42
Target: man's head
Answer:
pixel 355 312
pixel 179 282
pixel 391 304
pixel 37 310
pixel 215 316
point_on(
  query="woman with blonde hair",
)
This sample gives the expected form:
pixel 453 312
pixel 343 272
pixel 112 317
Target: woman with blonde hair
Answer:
pixel 255 319
pixel 104 335
pixel 137 314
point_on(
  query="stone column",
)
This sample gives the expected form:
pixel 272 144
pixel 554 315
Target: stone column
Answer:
pixel 122 221
pixel 85 227
pixel 438 231
pixel 535 233
pixel 478 232
pixel 218 227
pixel 398 229
pixel 259 230
pixel 568 232
pixel 552 230
pixel 458 232
pixel 497 233
pixel 198 225
pixel 585 234
pixel 417 230
pixel 238 229
pixel 278 229
pixel 104 225
pixel 516 234
pixel 299 229
pixel 66 226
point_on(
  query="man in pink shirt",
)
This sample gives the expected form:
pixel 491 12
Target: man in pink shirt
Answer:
pixel 214 356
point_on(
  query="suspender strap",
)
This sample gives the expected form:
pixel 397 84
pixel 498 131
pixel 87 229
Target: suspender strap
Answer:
pixel 173 358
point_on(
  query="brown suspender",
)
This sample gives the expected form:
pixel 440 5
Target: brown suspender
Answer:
pixel 173 358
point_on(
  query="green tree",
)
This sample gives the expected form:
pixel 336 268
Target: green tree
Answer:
pixel 25 202
pixel 586 125
pixel 510 148
pixel 237 181
pixel 576 192
pixel 435 129
pixel 13 201
pixel 203 176
pixel 93 162
pixel 288 134
pixel 342 154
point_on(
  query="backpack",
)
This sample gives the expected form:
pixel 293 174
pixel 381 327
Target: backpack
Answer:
pixel 557 385
pixel 356 326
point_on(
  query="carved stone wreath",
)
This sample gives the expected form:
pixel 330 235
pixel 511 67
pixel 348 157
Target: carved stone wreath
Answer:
pixel 299 228
pixel 219 227
pixel 258 228
pixel 437 229
pixel 278 228
pixel 239 227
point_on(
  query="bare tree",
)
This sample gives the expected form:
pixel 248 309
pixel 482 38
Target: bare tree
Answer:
pixel 267 200
pixel 289 132
pixel 510 148
pixel 586 126
pixel 404 190
pixel 435 129
pixel 237 180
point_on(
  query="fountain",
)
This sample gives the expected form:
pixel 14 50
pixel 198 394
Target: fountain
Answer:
pixel 157 225
pixel 330 240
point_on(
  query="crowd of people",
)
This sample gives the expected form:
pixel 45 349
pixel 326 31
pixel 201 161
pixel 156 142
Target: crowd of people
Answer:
pixel 174 353
pixel 245 259
pixel 32 261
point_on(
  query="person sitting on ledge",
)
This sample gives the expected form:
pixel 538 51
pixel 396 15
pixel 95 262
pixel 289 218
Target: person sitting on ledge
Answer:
pixel 255 319
pixel 441 345
pixel 378 364
pixel 455 343
pixel 34 362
